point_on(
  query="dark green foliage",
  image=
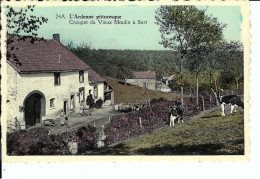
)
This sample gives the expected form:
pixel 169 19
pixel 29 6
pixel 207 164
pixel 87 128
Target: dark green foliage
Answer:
pixel 87 138
pixel 163 62
pixel 121 63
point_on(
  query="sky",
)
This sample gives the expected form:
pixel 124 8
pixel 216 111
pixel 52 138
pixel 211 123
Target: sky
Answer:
pixel 123 36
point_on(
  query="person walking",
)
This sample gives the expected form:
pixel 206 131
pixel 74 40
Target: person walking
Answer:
pixel 62 119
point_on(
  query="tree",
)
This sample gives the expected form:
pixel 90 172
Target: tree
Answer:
pixel 232 55
pixel 191 32
pixel 214 74
pixel 22 21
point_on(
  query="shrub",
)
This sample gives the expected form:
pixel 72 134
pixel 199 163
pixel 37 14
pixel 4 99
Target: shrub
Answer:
pixel 99 103
pixel 128 125
pixel 157 100
pixel 154 116
pixel 35 142
pixel 87 138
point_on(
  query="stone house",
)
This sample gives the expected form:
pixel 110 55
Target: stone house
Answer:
pixel 99 88
pixel 145 79
pixel 168 79
pixel 44 78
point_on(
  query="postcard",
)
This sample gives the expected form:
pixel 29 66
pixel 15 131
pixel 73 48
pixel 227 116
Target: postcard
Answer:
pixel 142 81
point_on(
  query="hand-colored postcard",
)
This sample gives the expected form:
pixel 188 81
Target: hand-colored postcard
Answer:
pixel 86 81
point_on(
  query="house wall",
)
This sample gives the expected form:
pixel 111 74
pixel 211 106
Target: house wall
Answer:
pixel 100 87
pixel 150 83
pixel 20 85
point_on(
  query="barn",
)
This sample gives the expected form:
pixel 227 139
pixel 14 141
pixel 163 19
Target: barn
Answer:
pixel 146 79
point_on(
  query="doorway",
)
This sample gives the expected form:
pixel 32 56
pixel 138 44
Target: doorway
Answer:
pixel 65 107
pixel 34 108
pixel 72 103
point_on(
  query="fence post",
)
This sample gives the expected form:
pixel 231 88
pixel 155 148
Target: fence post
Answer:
pixel 203 105
pixel 210 101
pixel 94 123
pixel 109 119
pixel 140 122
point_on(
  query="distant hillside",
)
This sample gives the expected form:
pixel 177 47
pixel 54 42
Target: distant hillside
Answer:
pixel 227 74
pixel 121 63
pixel 135 94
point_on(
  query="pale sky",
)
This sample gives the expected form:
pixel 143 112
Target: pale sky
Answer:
pixel 128 36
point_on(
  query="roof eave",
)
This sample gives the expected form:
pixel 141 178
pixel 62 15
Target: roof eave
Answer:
pixel 51 71
pixel 96 81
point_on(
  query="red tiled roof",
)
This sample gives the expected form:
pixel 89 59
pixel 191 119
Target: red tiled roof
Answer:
pixel 94 76
pixel 42 56
pixel 144 75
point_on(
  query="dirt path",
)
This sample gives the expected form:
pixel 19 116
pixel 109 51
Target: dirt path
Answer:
pixel 97 118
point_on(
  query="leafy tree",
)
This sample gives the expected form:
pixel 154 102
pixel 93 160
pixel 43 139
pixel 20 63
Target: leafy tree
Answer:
pixel 232 55
pixel 212 67
pixel 22 21
pixel 189 31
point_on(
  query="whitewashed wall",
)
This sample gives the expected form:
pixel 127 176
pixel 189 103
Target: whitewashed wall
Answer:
pixel 151 83
pixel 20 85
pixel 100 87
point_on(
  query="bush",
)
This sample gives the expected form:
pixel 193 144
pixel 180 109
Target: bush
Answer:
pixel 128 125
pixel 99 103
pixel 87 138
pixel 35 142
pixel 154 116
pixel 157 100
pixel 38 142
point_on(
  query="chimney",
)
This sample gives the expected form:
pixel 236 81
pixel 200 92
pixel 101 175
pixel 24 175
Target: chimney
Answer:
pixel 56 37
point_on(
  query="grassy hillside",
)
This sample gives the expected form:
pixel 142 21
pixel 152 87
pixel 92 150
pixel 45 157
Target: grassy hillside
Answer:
pixel 134 94
pixel 208 134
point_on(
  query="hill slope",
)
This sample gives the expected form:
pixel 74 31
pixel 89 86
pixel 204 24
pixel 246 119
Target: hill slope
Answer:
pixel 208 134
pixel 134 94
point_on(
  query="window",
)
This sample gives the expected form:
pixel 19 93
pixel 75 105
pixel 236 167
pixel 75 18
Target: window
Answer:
pixel 95 92
pixel 57 78
pixel 81 76
pixel 52 102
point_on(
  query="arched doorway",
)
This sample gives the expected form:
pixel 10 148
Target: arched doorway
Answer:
pixel 34 108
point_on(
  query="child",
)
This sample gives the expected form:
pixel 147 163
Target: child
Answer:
pixel 66 120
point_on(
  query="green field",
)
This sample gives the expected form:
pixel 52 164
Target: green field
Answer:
pixel 206 134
